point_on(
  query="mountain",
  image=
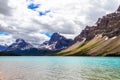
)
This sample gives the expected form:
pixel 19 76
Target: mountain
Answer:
pixel 23 48
pixel 19 47
pixel 19 44
pixel 57 42
pixel 108 25
pixel 3 47
pixel 118 10
pixel 102 39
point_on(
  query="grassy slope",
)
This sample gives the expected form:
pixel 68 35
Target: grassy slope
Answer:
pixel 99 46
pixel 71 48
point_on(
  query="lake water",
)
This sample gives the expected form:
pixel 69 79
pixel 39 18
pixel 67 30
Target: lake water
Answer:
pixel 59 68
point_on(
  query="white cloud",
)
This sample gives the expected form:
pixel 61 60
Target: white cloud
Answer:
pixel 68 17
pixel 6 39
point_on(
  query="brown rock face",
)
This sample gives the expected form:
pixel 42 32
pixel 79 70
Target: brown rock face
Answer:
pixel 108 25
pixel 118 8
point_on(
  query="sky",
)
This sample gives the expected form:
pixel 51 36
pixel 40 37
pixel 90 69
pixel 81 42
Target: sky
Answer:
pixel 36 20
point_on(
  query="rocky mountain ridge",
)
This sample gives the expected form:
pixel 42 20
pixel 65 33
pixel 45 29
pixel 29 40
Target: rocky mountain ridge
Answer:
pixel 102 39
pixel 108 25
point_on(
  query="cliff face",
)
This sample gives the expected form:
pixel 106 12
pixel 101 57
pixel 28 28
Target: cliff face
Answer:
pixel 103 39
pixel 118 10
pixel 108 25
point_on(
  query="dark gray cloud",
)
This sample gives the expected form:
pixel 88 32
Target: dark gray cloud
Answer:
pixel 65 28
pixel 4 8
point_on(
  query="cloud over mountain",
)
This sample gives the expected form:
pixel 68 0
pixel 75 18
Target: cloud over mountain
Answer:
pixel 68 17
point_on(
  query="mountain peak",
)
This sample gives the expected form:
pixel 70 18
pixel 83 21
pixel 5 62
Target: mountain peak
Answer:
pixel 56 34
pixel 19 44
pixel 19 40
pixel 55 37
pixel 57 42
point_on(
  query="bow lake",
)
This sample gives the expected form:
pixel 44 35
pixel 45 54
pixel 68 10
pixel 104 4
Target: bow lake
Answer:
pixel 59 68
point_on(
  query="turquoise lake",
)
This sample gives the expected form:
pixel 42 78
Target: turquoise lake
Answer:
pixel 59 68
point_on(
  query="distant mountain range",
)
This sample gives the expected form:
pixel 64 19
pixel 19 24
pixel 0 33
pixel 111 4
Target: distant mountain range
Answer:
pixel 102 39
pixel 21 47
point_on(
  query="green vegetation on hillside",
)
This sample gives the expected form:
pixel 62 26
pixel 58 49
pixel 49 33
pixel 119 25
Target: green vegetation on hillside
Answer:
pixel 99 46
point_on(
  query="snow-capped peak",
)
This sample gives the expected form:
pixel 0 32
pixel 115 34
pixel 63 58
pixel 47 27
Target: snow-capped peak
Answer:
pixel 57 42
pixel 19 44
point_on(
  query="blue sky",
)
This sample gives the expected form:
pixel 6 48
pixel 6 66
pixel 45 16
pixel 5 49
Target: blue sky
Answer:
pixel 47 34
pixel 44 13
pixel 33 6
pixel 4 33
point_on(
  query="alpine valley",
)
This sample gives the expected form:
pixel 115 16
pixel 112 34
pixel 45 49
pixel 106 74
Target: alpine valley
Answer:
pixel 102 39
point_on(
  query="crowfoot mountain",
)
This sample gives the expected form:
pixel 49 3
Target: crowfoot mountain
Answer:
pixel 103 39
